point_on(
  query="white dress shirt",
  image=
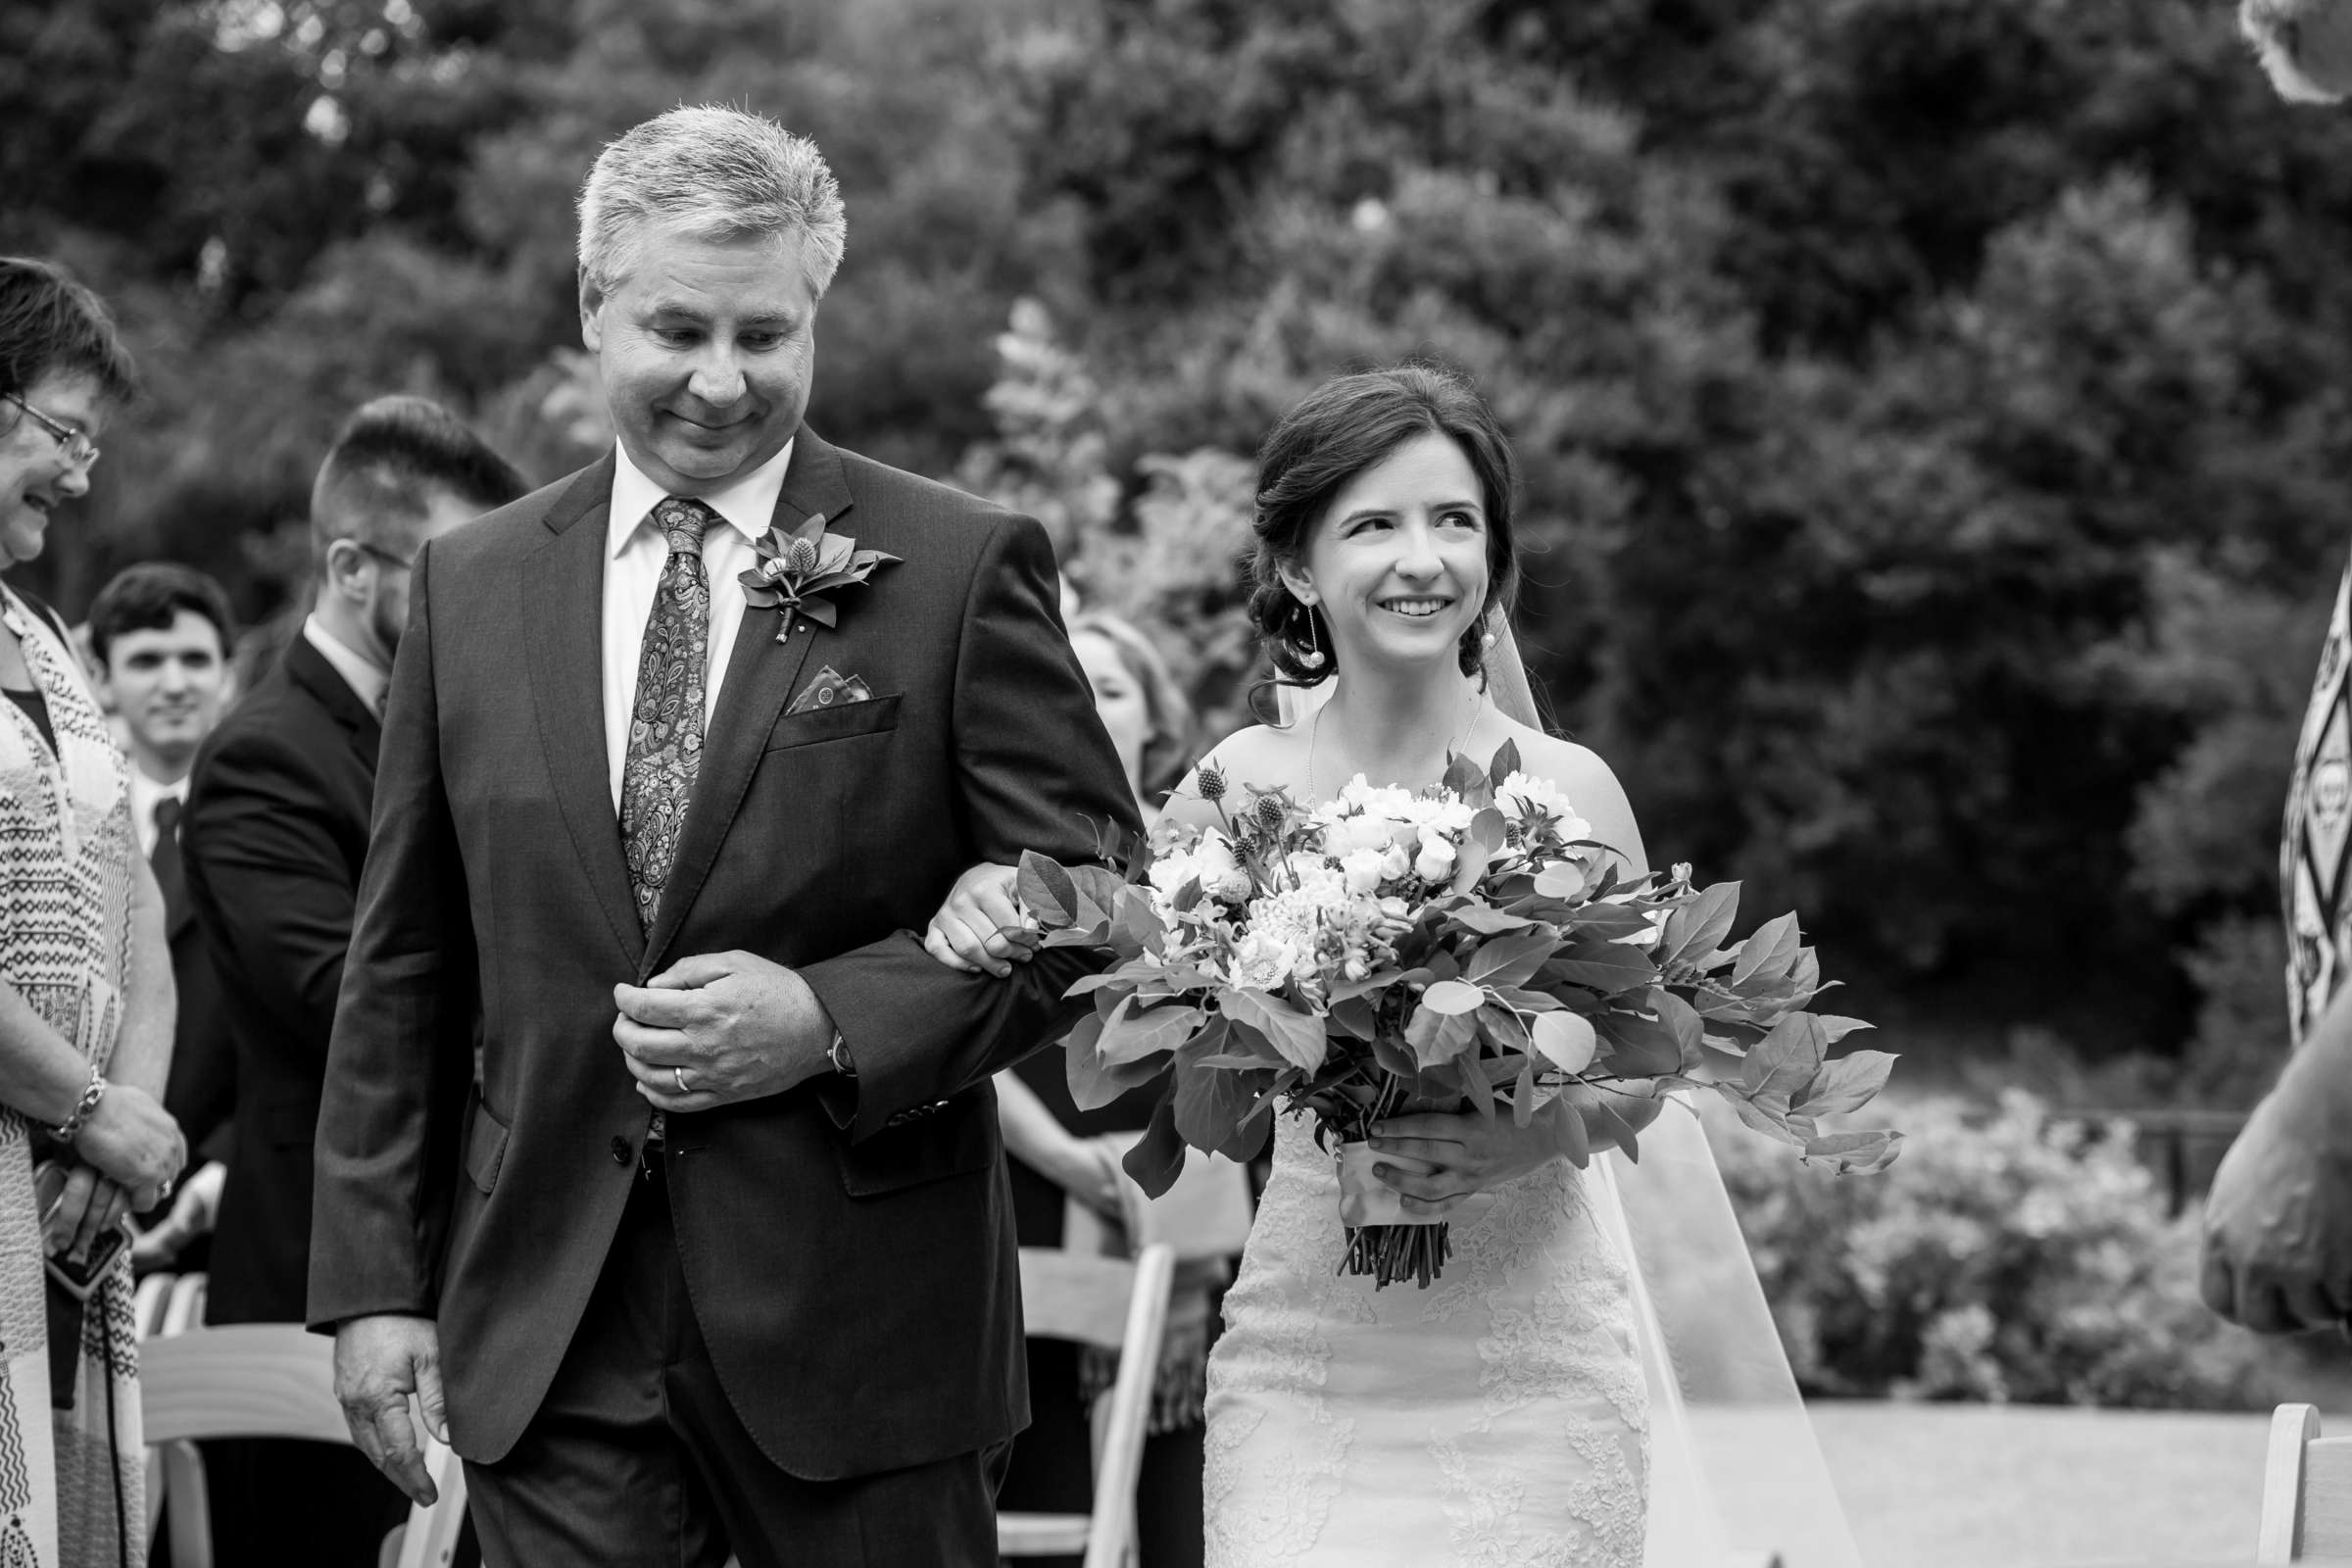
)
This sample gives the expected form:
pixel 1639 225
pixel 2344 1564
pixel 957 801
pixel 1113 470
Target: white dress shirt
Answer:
pixel 636 553
pixel 145 792
pixel 366 683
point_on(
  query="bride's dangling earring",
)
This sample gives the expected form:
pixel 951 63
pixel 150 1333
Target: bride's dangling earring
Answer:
pixel 1312 656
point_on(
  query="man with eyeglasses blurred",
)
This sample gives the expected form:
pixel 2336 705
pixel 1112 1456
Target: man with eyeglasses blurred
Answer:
pixel 273 838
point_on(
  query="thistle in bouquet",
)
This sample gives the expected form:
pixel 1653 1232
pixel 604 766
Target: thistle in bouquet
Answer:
pixel 1462 949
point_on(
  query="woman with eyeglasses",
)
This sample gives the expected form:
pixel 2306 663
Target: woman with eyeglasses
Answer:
pixel 85 983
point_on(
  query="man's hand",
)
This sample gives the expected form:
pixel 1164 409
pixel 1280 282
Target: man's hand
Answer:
pixel 2279 1218
pixel 736 1026
pixel 194 1210
pixel 379 1362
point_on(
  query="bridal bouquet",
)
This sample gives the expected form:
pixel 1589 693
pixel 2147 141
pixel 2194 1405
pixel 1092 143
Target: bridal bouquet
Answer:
pixel 1467 947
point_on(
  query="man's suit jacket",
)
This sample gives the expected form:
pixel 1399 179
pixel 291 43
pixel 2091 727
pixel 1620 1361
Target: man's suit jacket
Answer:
pixel 847 1246
pixel 272 841
pixel 201 1092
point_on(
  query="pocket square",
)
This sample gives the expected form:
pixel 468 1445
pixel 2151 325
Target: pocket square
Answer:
pixel 829 689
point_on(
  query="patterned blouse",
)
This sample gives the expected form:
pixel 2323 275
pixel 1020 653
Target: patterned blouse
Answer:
pixel 2312 860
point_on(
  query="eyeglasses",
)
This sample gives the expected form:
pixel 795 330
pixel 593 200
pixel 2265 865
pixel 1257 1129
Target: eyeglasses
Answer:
pixel 79 449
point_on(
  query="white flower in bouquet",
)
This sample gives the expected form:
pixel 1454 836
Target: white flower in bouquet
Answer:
pixel 1366 869
pixel 1261 961
pixel 1435 861
pixel 1528 801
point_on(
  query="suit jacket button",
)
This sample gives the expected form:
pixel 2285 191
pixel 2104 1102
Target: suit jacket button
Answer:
pixel 621 1152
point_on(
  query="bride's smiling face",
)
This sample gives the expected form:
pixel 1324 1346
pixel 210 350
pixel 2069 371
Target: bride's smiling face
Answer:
pixel 1399 565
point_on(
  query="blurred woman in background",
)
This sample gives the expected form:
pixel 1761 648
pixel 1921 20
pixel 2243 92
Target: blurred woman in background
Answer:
pixel 1062 1157
pixel 85 984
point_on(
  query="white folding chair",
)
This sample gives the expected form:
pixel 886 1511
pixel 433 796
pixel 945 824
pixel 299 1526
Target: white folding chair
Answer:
pixel 1118 1305
pixel 262 1379
pixel 2306 1490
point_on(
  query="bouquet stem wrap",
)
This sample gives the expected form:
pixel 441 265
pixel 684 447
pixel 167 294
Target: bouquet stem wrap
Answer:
pixel 1384 1241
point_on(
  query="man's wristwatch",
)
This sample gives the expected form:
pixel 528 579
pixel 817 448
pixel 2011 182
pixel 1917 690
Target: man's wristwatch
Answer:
pixel 837 1055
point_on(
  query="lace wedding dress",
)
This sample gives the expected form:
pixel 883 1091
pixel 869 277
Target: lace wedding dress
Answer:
pixel 1497 1419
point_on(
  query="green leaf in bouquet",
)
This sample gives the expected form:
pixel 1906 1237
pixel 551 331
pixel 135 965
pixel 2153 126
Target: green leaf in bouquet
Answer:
pixel 1047 891
pixel 1563 880
pixel 1475 1088
pixel 1698 928
pixel 1478 849
pixel 1846 1084
pixel 1503 1029
pixel 1377 980
pixel 1805 972
pixel 1769 952
pixel 1526 1001
pixel 1094 1083
pixel 1767 1114
pixel 1158 1157
pixel 1392 1057
pixel 1855 1154
pixel 1464 776
pixel 1575 1141
pixel 1834 1028
pixel 1605 922
pixel 1608 967
pixel 1690 1030
pixel 1566 1040
pixel 1187 897
pixel 1298 1036
pixel 1785 1061
pixel 1505 763
pixel 1452 995
pixel 1639 1045
pixel 1438 1037
pixel 1132 1033
pixel 1356 1016
pixel 1212 1102
pixel 1487 920
pixel 1087 985
pixel 1513 959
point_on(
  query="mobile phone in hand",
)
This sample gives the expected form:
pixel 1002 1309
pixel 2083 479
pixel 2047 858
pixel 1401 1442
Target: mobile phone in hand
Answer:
pixel 77 1280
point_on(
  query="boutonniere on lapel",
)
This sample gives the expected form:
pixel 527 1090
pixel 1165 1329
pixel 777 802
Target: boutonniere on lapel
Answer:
pixel 798 570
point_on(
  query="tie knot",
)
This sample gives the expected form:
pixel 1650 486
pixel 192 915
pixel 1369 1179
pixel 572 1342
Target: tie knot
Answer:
pixel 166 816
pixel 683 520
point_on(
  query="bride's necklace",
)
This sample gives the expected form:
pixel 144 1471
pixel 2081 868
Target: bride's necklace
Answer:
pixel 1314 739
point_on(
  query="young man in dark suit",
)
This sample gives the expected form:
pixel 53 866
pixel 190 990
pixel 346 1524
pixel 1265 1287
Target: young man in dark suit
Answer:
pixel 275 833
pixel 716 1254
pixel 160 636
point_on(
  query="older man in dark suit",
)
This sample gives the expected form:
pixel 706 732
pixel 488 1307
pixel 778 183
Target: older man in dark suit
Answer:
pixel 275 832
pixel 716 1255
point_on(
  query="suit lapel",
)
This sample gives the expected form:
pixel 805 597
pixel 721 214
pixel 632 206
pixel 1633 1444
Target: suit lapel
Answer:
pixel 759 681
pixel 560 609
pixel 308 668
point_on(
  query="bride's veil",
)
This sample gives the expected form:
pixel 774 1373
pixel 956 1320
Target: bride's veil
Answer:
pixel 1735 1466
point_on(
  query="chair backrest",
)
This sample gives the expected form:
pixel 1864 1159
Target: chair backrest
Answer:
pixel 1067 1296
pixel 1106 1301
pixel 260 1380
pixel 2306 1491
pixel 242 1380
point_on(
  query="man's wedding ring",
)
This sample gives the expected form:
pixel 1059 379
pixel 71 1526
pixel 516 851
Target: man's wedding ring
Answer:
pixel 679 1073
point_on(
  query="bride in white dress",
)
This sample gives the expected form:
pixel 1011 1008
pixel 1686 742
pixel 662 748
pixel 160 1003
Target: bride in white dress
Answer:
pixel 1502 1416
pixel 1498 1416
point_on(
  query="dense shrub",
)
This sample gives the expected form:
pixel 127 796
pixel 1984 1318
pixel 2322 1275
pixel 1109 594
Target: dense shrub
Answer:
pixel 2008 1256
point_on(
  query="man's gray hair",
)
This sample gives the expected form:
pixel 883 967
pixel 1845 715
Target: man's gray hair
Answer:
pixel 727 173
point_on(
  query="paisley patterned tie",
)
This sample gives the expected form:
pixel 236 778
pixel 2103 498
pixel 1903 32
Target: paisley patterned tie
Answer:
pixel 666 723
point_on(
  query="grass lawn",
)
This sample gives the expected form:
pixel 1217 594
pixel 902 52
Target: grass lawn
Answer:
pixel 1957 1486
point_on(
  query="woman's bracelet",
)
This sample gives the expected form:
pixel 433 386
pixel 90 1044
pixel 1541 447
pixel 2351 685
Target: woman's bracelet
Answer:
pixel 65 1132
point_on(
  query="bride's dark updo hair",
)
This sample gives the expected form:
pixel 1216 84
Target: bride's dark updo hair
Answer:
pixel 1345 426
